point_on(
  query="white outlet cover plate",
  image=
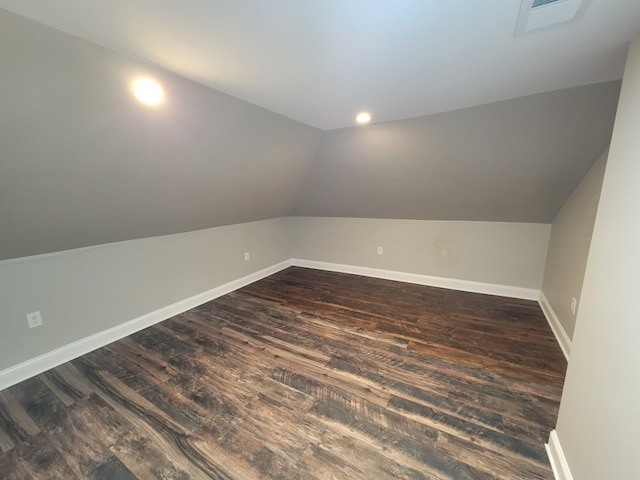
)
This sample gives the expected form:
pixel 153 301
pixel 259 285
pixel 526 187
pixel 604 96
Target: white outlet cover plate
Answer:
pixel 34 319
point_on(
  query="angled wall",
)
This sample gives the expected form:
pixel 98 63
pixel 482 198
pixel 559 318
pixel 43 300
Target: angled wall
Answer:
pixel 569 243
pixel 598 428
pixel 512 161
pixel 83 163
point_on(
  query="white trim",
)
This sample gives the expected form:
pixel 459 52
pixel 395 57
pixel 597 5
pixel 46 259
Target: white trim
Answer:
pixel 442 282
pixel 556 327
pixel 42 363
pixel 557 459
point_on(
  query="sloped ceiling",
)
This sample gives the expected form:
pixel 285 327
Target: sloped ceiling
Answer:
pixel 82 163
pixel 512 161
pixel 320 61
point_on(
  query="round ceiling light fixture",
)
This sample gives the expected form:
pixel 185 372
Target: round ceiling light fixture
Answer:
pixel 148 91
pixel 363 117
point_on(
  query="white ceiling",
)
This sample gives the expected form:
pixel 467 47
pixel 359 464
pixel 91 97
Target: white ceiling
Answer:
pixel 321 61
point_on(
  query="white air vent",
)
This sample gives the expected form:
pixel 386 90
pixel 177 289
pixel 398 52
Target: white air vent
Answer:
pixel 539 14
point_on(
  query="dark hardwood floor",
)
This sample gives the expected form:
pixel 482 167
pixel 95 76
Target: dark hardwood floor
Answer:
pixel 303 375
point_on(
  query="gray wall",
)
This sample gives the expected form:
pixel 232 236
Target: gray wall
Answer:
pixel 569 243
pixel 514 161
pixel 85 291
pixel 83 163
pixel 491 252
pixel 599 420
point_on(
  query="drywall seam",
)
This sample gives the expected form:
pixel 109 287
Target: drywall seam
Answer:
pixel 442 282
pixel 556 327
pixel 557 459
pixel 44 362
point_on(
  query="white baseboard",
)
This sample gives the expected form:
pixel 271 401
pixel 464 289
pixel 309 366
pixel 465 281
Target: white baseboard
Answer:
pixel 451 283
pixel 556 327
pixel 557 459
pixel 42 363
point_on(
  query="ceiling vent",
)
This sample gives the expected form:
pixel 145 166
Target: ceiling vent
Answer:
pixel 541 3
pixel 539 14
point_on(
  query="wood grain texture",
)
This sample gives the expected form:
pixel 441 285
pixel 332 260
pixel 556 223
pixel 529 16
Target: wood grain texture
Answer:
pixel 303 375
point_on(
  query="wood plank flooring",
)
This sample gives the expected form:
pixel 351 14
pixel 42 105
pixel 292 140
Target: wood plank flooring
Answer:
pixel 303 375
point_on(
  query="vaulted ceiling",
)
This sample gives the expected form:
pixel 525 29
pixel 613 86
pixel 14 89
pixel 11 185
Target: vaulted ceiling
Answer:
pixel 471 121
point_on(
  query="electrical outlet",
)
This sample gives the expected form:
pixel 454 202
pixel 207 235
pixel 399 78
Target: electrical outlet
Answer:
pixel 574 304
pixel 380 249
pixel 247 257
pixel 34 319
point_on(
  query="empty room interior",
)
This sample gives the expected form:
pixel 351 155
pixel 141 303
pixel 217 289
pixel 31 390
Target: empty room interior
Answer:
pixel 297 239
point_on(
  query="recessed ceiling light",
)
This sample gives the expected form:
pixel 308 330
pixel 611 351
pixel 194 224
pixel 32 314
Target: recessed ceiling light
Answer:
pixel 363 117
pixel 148 91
